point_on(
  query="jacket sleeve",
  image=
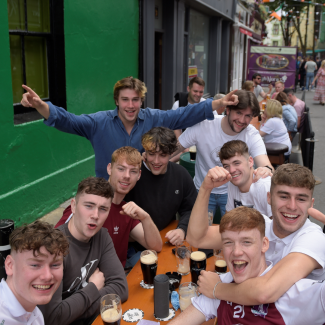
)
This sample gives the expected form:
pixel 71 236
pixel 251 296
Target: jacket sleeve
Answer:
pixel 85 302
pixel 82 125
pixel 188 201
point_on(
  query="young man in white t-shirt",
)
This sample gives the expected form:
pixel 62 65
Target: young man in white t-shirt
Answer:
pixel 296 244
pixel 238 169
pixel 209 137
pixel 244 246
pixel 34 272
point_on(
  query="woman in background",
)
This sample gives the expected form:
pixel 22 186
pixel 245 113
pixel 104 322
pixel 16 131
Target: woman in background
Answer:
pixel 272 128
pixel 320 89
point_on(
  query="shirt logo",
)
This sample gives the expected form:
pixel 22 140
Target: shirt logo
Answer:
pixel 116 228
pixel 177 191
pixel 260 310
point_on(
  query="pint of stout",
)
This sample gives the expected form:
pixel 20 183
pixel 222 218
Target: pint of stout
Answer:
pixel 220 266
pixel 198 263
pixel 149 262
pixel 192 151
pixel 111 309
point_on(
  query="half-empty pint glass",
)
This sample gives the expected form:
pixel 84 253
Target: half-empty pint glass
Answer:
pixel 149 263
pixel 111 309
pixel 192 151
pixel 186 291
pixel 198 263
pixel 183 255
pixel 219 263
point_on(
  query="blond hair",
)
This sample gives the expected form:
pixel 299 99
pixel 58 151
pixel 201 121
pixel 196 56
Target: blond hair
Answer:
pixel 273 108
pixel 323 64
pixel 248 85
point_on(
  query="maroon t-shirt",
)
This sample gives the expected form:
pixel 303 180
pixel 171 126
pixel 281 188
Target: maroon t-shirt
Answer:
pixel 118 225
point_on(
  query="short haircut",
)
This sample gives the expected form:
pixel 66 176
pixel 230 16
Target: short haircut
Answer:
pixel 196 80
pixel 218 96
pixel 282 98
pixel 255 75
pixel 293 175
pixel 248 85
pixel 288 91
pixel 279 82
pixel 273 108
pixel 246 99
pixel 130 83
pixel 242 218
pixel 97 186
pixel 36 235
pixel 232 148
pixel 160 138
pixel 131 155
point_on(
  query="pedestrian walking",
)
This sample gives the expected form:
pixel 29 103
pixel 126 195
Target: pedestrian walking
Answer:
pixel 320 89
pixel 310 67
pixel 302 73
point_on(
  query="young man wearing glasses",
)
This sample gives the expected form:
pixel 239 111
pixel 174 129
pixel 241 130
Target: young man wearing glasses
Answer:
pixel 258 90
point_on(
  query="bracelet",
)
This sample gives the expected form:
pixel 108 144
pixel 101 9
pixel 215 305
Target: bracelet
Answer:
pixel 215 289
pixel 269 168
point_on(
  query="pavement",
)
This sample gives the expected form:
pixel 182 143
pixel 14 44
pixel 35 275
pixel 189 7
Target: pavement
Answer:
pixel 317 112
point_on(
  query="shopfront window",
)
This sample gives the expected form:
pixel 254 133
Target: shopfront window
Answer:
pixel 198 46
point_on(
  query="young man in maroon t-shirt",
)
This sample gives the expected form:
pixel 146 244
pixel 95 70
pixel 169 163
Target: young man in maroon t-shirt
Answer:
pixel 126 221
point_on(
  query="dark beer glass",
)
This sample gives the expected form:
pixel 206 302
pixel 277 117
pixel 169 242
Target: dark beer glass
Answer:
pixel 149 263
pixel 220 266
pixel 111 309
pixel 198 263
pixel 192 151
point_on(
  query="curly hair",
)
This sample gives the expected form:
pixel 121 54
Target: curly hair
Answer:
pixel 97 186
pixel 160 138
pixel 130 83
pixel 36 235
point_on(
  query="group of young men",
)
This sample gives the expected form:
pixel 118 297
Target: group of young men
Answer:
pixel 132 200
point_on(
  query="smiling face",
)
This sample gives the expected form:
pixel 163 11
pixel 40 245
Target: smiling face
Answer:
pixel 238 120
pixel 195 93
pixel 157 161
pixel 129 104
pixel 289 208
pixel 123 176
pixel 89 214
pixel 33 280
pixel 240 168
pixel 244 253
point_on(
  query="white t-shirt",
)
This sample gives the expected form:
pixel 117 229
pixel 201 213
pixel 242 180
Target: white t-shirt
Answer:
pixel 309 240
pixel 255 198
pixel 13 313
pixel 303 303
pixel 276 132
pixel 208 137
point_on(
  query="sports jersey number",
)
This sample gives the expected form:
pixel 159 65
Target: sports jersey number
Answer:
pixel 240 309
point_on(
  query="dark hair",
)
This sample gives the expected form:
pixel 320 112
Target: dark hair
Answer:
pixel 97 186
pixel 196 80
pixel 36 235
pixel 130 83
pixel 231 148
pixel 255 75
pixel 246 99
pixel 293 175
pixel 161 137
pixel 288 91
pixel 282 98
pixel 242 218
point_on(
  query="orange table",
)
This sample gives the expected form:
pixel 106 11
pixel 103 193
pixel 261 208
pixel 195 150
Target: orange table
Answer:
pixel 143 298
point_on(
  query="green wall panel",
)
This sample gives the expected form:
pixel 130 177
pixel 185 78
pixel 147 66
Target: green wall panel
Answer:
pixel 40 167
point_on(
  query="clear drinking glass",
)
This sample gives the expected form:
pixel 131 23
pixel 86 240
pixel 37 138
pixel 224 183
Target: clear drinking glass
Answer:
pixel 187 291
pixel 149 263
pixel 183 255
pixel 111 309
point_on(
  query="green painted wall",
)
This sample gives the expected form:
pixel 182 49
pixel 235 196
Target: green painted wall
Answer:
pixel 40 167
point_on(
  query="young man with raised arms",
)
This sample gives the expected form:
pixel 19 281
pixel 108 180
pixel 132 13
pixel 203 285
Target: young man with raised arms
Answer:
pixel 124 126
pixel 34 272
pixel 126 221
pixel 164 188
pixel 209 137
pixel 244 246
pixel 296 244
pixel 92 268
pixel 238 168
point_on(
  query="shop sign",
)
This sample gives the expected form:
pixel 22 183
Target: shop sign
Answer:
pixel 192 71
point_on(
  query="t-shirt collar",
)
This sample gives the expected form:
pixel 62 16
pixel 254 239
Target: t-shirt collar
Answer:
pixel 286 240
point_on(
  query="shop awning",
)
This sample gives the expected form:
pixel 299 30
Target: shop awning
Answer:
pixel 244 27
pixel 245 31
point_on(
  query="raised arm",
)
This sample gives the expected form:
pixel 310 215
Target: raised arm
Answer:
pixel 146 233
pixel 31 99
pixel 199 234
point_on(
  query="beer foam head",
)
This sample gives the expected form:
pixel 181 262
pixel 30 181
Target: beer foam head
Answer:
pixel 220 263
pixel 198 256
pixel 192 149
pixel 111 315
pixel 149 258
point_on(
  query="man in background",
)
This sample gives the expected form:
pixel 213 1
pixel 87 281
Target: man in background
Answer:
pixel 258 90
